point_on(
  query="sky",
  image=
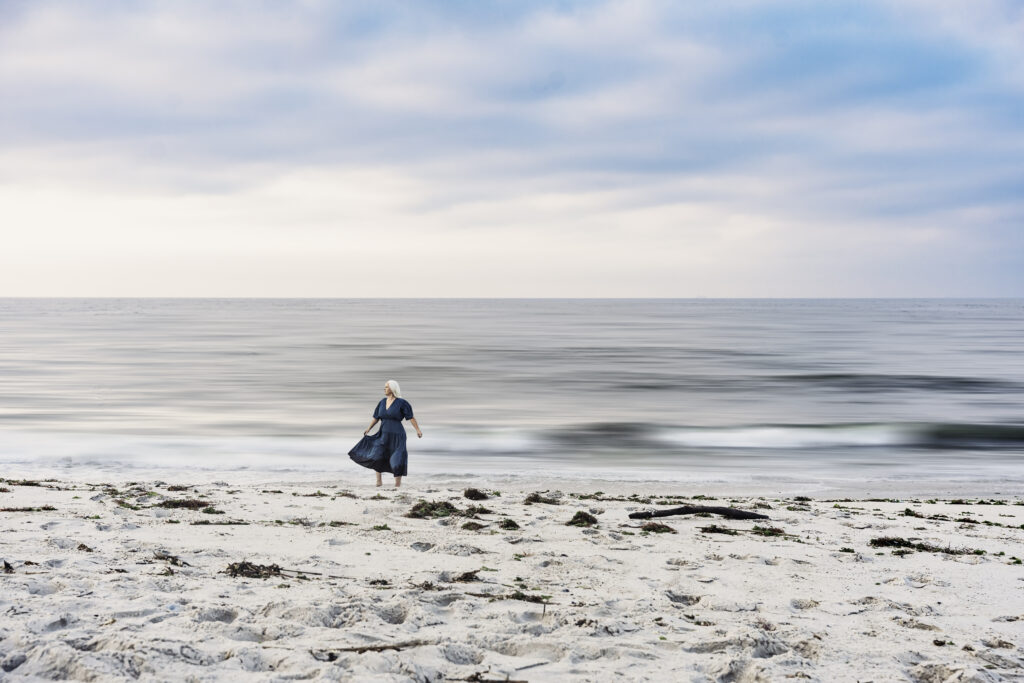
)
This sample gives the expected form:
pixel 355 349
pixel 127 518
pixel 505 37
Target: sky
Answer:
pixel 512 148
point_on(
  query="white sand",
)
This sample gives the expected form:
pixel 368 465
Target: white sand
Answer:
pixel 622 605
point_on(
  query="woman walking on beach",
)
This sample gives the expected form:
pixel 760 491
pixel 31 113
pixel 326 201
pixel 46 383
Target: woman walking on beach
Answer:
pixel 385 451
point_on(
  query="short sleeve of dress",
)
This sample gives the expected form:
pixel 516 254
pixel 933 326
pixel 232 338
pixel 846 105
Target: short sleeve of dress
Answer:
pixel 378 410
pixel 406 410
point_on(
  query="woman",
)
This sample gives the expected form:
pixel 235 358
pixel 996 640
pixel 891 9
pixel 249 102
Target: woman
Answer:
pixel 385 451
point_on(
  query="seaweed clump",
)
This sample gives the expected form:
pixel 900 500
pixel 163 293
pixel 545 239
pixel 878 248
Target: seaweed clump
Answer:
pixel 582 519
pixel 657 528
pixel 475 494
pixel 429 509
pixel 536 497
pixel 253 571
pixel 190 504
pixel 897 542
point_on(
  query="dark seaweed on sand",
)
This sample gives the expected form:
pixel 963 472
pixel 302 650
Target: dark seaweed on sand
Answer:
pixel 657 528
pixel 508 524
pixel 715 529
pixel 536 497
pixel 425 509
pixel 582 519
pixel 897 542
pixel 190 504
pixel 475 494
pixel 253 571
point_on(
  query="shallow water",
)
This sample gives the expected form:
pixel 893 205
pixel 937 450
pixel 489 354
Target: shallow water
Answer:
pixel 703 390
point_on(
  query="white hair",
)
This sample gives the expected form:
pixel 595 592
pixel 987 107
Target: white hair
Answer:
pixel 395 389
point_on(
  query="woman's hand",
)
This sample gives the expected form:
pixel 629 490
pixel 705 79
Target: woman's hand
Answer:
pixel 419 435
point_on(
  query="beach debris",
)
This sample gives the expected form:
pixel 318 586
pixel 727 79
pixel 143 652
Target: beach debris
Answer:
pixel 582 518
pixel 516 595
pixel 479 677
pixel 188 503
pixel 538 497
pixel 464 577
pixel 173 559
pixel 657 528
pixel 730 513
pixel 474 510
pixel 332 655
pixel 508 524
pixel 421 547
pixel 83 547
pixel 252 571
pixel 767 531
pixel 8 569
pixel 715 529
pixel 897 542
pixel 379 582
pixel 432 509
pixel 206 522
pixel 178 487
pixel 475 494
pixel 473 526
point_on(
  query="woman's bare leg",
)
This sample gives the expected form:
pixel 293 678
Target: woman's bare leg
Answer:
pixel 379 482
pixel 398 482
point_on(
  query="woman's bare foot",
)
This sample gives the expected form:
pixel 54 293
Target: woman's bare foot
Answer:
pixel 379 482
pixel 398 482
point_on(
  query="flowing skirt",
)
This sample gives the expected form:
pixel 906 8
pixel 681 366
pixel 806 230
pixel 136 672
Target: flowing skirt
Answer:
pixel 382 452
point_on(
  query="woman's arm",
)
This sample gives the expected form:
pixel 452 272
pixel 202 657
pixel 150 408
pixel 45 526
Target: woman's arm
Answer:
pixel 370 427
pixel 418 432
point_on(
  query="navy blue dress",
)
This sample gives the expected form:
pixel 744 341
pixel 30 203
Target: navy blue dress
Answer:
pixel 385 451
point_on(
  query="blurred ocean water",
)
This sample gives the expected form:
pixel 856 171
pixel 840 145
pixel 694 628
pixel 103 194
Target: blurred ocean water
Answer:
pixel 686 390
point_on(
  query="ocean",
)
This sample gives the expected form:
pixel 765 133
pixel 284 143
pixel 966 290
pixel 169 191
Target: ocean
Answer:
pixel 681 390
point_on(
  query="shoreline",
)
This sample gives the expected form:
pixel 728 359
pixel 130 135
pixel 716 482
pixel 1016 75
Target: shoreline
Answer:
pixel 108 581
pixel 578 480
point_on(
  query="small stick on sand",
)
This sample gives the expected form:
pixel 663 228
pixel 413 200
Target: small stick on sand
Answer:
pixel 731 513
pixel 331 655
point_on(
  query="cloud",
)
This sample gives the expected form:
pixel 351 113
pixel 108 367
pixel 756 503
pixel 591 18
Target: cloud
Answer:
pixel 635 147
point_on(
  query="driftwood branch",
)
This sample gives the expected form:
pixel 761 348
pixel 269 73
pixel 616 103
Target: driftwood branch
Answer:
pixel 332 654
pixel 731 513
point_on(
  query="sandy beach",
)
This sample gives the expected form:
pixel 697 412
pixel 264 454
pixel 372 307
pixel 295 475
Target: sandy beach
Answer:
pixel 160 580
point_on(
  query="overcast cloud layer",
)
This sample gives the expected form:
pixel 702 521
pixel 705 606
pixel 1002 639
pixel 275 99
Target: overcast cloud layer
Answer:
pixel 512 148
